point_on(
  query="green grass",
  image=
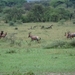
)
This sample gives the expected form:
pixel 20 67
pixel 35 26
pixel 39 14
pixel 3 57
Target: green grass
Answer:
pixel 44 60
pixel 17 53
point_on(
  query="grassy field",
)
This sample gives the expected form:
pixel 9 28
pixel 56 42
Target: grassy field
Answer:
pixel 18 53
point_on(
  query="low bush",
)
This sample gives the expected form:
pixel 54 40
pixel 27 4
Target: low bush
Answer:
pixel 11 23
pixel 61 22
pixel 11 51
pixel 60 44
pixel 19 22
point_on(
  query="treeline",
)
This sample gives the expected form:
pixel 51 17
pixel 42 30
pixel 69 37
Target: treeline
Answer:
pixel 43 11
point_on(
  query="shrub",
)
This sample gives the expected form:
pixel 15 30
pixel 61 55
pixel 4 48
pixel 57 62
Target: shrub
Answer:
pixel 14 42
pixel 19 21
pixel 11 23
pixel 57 44
pixel 61 22
pixel 11 51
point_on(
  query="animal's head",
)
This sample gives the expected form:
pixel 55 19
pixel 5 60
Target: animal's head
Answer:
pixel 29 34
pixel 2 32
pixel 68 34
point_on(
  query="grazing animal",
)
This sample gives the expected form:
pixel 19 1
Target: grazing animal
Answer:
pixel 34 27
pixel 3 35
pixel 70 35
pixel 37 38
pixel 50 27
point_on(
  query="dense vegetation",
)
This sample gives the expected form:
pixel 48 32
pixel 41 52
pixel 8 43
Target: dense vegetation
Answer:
pixel 43 11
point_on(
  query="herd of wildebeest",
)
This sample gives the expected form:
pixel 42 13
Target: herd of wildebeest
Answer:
pixel 37 38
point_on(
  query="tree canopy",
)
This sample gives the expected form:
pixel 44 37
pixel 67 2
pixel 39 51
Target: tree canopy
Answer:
pixel 43 11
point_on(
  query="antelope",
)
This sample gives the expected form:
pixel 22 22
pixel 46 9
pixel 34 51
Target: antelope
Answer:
pixel 37 38
pixel 3 35
pixel 70 35
pixel 50 27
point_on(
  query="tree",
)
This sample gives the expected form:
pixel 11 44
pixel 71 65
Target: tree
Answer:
pixel 56 3
pixel 73 2
pixel 14 14
pixel 38 11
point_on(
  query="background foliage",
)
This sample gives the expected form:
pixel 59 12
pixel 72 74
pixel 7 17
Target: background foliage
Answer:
pixel 43 11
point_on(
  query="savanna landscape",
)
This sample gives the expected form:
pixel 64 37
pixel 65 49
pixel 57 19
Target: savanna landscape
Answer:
pixel 53 54
pixel 19 53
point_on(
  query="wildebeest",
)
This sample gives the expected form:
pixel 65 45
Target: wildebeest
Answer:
pixel 37 38
pixel 70 35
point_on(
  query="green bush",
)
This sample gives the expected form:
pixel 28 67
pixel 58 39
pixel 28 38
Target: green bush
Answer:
pixel 11 51
pixel 57 44
pixel 61 22
pixel 11 23
pixel 14 42
pixel 19 21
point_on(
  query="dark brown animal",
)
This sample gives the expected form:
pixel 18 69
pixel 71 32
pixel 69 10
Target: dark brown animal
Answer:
pixel 37 38
pixel 1 33
pixel 70 35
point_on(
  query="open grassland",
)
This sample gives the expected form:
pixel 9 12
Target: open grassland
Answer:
pixel 18 53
